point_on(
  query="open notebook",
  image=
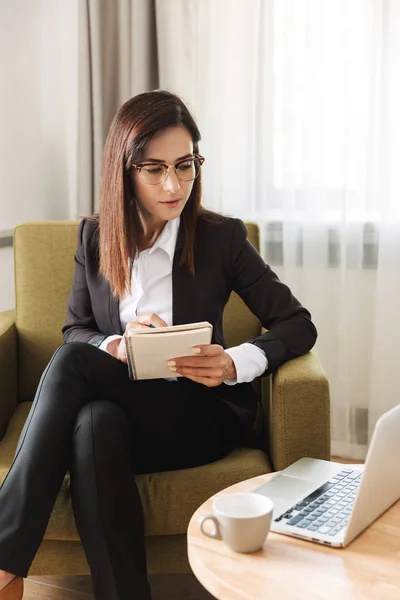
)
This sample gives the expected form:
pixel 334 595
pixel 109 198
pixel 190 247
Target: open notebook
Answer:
pixel 149 349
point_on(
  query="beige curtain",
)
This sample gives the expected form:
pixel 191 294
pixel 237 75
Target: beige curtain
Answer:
pixel 117 59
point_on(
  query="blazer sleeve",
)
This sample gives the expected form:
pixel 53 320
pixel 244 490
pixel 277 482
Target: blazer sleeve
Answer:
pixel 80 324
pixel 291 332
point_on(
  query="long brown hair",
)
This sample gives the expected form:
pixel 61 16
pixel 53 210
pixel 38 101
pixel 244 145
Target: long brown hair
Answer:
pixel 120 227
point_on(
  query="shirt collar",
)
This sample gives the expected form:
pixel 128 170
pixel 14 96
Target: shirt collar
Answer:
pixel 167 239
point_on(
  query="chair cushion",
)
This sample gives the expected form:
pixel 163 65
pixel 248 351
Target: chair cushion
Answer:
pixel 169 499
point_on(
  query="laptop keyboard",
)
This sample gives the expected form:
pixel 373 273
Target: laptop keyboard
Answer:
pixel 327 510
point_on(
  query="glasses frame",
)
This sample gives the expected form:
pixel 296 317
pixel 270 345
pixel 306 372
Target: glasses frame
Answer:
pixel 138 167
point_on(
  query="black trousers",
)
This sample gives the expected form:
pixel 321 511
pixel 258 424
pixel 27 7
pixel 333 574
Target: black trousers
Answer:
pixel 89 418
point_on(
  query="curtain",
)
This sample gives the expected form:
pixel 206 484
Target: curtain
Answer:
pixel 297 101
pixel 117 59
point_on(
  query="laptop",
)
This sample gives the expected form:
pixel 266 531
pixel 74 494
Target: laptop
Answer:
pixel 332 503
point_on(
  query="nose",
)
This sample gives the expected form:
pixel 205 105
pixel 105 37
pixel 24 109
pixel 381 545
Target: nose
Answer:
pixel 171 182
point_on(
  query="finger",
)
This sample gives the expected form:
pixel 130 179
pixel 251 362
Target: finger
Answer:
pixel 208 349
pixel 152 319
pixel 202 362
pixel 135 325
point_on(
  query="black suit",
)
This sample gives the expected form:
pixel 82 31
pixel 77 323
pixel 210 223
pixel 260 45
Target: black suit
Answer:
pixel 224 261
pixel 90 418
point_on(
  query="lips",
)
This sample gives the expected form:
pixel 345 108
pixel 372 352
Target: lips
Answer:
pixel 171 203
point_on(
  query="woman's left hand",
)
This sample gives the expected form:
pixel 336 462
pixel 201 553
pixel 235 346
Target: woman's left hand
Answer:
pixel 210 365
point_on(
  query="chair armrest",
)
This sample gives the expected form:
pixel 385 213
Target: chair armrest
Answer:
pixel 296 401
pixel 8 368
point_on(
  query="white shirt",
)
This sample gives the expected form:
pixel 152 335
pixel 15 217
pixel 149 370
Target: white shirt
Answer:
pixel 151 292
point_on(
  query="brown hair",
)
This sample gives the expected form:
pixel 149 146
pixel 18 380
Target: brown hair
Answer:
pixel 120 227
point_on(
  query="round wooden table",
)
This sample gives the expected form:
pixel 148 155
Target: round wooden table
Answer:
pixel 291 569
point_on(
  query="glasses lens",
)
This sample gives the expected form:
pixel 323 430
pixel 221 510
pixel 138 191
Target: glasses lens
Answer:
pixel 188 169
pixel 153 174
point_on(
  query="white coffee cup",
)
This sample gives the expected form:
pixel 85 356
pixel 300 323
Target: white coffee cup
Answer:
pixel 241 520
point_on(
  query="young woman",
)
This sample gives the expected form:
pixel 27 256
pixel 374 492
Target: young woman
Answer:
pixel 153 256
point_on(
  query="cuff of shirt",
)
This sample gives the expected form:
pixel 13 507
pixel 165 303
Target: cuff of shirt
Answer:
pixel 250 362
pixel 110 338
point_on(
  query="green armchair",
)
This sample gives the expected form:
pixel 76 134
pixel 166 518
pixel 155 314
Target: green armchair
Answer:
pixel 293 418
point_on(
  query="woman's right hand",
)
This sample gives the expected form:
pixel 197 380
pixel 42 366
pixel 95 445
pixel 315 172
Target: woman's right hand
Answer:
pixel 117 348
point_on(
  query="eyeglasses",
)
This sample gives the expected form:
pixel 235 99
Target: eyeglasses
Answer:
pixel 154 173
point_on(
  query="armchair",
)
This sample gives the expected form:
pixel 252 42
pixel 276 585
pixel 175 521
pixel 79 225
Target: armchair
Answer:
pixel 293 416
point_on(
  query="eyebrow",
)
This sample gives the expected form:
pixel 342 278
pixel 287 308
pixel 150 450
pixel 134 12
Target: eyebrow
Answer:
pixel 160 160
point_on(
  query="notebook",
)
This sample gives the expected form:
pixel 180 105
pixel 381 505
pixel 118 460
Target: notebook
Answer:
pixel 149 349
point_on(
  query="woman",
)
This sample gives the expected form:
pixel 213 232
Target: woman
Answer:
pixel 154 256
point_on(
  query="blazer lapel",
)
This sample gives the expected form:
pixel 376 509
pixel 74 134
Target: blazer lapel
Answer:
pixel 104 290
pixel 178 279
pixel 113 306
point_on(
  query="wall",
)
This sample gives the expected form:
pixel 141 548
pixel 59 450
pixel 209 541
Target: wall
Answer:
pixel 38 116
pixel 7 279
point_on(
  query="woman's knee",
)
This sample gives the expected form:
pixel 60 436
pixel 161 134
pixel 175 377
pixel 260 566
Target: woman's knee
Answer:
pixel 71 363
pixel 84 364
pixel 73 353
pixel 101 420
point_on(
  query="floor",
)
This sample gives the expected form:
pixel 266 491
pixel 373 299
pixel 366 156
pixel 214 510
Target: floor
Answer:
pixel 78 587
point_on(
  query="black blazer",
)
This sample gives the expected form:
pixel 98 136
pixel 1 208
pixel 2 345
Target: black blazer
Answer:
pixel 224 261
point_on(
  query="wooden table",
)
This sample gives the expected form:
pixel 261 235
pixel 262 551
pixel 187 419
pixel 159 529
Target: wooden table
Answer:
pixel 291 569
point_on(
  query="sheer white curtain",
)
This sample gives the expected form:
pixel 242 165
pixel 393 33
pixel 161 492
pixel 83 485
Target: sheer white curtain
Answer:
pixel 298 103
